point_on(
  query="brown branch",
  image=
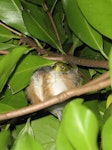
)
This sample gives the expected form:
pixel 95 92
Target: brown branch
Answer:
pixel 67 58
pixel 59 57
pixel 99 79
pixel 3 52
pixel 84 75
pixel 57 99
pixel 80 61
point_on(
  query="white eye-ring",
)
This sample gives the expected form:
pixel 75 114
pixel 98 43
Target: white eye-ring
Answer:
pixel 62 67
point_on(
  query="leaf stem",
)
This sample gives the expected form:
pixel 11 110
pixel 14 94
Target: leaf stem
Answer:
pixel 54 25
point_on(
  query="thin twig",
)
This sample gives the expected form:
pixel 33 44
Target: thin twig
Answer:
pixel 101 78
pixel 10 29
pixel 84 75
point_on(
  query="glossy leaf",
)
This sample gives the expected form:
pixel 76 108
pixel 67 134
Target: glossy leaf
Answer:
pixel 39 2
pixel 10 13
pixel 5 138
pixel 76 43
pixel 58 16
pixel 45 131
pixel 80 26
pixel 107 135
pixel 62 143
pixel 39 24
pixel 94 106
pixel 99 14
pixel 25 140
pixel 8 63
pixel 24 71
pixel 107 113
pixel 107 46
pixel 110 66
pixel 102 107
pixel 80 126
pixel 4 46
pixel 89 53
pixel 5 108
pixel 109 100
pixel 5 34
pixel 17 100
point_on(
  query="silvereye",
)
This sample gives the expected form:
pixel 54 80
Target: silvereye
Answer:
pixel 50 81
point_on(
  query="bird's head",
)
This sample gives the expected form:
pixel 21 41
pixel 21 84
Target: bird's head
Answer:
pixel 62 67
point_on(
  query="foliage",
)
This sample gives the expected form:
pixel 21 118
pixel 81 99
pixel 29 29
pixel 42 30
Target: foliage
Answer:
pixel 78 27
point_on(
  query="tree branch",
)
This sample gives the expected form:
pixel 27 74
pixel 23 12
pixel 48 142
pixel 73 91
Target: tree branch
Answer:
pixel 60 98
pixel 56 56
pixel 80 61
pixel 99 79
pixel 67 58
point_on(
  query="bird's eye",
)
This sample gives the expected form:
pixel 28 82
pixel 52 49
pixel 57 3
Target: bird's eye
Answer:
pixel 62 67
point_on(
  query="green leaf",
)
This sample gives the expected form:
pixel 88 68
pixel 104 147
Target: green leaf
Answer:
pixel 5 34
pixel 93 105
pixel 62 142
pixel 45 131
pixel 89 53
pixel 76 43
pixel 107 135
pixel 5 108
pixel 25 140
pixel 5 138
pixel 17 100
pixel 39 24
pixel 102 107
pixel 10 13
pixel 98 14
pixel 109 100
pixel 58 16
pixel 9 62
pixel 107 113
pixel 39 2
pixel 80 126
pixel 80 26
pixel 107 46
pixel 5 46
pixel 24 71
pixel 110 66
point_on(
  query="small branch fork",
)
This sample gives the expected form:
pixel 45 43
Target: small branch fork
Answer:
pixel 97 84
pixel 67 58
pixel 55 56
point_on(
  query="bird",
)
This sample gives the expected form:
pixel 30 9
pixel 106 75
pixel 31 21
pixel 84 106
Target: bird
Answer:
pixel 49 81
